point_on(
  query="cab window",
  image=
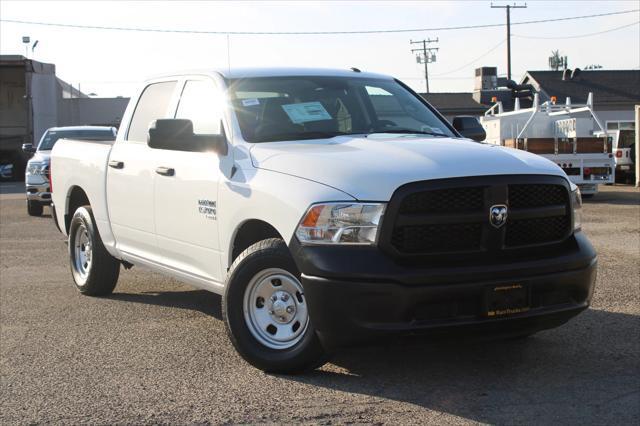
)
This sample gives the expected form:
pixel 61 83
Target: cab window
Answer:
pixel 202 104
pixel 152 105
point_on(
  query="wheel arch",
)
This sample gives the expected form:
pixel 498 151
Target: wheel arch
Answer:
pixel 76 197
pixel 247 233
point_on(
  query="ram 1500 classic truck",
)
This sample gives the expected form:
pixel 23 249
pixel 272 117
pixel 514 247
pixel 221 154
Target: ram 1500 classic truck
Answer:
pixel 326 207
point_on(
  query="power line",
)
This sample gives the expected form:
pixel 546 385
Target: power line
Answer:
pixel 578 36
pixel 473 61
pixel 521 36
pixel 411 30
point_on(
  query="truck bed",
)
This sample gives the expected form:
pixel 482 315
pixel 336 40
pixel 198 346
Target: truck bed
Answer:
pixel 82 163
pixel 593 145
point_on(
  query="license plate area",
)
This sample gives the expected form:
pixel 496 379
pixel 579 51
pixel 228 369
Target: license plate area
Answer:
pixel 506 299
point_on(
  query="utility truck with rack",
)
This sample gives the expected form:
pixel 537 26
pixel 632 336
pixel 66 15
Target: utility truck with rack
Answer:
pixel 570 135
pixel 326 207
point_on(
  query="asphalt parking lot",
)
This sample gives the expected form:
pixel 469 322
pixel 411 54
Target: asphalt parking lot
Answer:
pixel 156 350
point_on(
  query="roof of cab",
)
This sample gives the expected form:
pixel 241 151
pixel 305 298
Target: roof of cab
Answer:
pixel 235 73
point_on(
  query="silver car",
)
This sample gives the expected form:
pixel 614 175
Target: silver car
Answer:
pixel 37 173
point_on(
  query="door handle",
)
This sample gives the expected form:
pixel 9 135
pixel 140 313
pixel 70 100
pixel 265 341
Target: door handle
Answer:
pixel 116 164
pixel 165 171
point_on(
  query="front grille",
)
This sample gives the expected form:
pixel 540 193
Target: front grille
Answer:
pixel 532 195
pixel 444 201
pixel 536 231
pixel 446 237
pixel 541 230
pixel 452 215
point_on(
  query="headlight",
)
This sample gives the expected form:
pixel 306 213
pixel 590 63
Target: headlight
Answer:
pixel 341 223
pixel 576 205
pixel 33 168
pixel 37 169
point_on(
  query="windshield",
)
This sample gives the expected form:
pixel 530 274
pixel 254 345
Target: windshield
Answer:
pixel 51 136
pixel 293 108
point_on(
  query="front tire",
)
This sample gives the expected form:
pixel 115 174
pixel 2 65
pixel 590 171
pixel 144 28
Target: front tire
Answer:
pixel 34 208
pixel 95 272
pixel 265 311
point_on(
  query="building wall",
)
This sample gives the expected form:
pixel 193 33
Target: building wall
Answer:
pixel 44 105
pixel 13 110
pixel 91 111
pixel 615 115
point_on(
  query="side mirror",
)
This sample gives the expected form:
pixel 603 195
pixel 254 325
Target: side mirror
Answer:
pixel 28 148
pixel 176 134
pixel 469 127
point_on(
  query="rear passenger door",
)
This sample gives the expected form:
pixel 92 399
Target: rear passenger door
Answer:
pixel 186 199
pixel 130 174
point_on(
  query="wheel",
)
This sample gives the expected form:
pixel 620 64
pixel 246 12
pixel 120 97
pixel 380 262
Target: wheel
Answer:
pixel 34 208
pixel 95 272
pixel 265 311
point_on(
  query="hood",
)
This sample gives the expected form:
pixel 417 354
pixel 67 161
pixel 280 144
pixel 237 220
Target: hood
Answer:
pixel 372 168
pixel 41 157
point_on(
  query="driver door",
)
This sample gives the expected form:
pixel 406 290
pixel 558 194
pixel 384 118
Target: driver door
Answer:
pixel 186 188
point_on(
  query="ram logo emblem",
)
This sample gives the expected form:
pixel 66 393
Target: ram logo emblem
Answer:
pixel 498 215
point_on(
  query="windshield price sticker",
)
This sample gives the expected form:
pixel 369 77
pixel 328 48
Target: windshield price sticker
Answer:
pixel 305 112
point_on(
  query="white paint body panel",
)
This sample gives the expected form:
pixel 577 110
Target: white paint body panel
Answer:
pixel 130 199
pixel 83 164
pixel 372 168
pixel 187 239
pixel 154 221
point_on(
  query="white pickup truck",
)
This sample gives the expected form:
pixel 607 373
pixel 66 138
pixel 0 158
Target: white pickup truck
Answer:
pixel 326 207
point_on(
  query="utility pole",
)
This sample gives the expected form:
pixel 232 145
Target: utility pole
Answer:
pixel 26 40
pixel 425 56
pixel 508 7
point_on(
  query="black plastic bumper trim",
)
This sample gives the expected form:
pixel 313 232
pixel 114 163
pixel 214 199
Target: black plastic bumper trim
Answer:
pixel 354 293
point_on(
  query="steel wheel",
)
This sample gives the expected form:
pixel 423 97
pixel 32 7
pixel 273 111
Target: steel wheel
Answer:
pixel 275 310
pixel 82 249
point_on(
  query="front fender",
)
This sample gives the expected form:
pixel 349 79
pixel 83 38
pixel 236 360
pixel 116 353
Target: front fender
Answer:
pixel 272 197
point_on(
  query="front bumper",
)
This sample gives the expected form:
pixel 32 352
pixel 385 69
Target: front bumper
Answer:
pixel 355 294
pixel 40 193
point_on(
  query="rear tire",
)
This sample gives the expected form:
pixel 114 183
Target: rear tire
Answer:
pixel 265 311
pixel 34 208
pixel 95 272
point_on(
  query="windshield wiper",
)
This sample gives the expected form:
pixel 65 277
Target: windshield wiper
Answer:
pixel 301 136
pixel 408 132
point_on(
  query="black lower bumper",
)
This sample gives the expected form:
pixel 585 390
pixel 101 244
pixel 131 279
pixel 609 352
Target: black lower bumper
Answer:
pixel 354 294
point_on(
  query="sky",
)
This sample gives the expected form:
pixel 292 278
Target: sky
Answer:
pixel 112 63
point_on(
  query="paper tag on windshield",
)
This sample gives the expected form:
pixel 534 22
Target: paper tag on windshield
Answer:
pixel 305 112
pixel 432 130
pixel 250 102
